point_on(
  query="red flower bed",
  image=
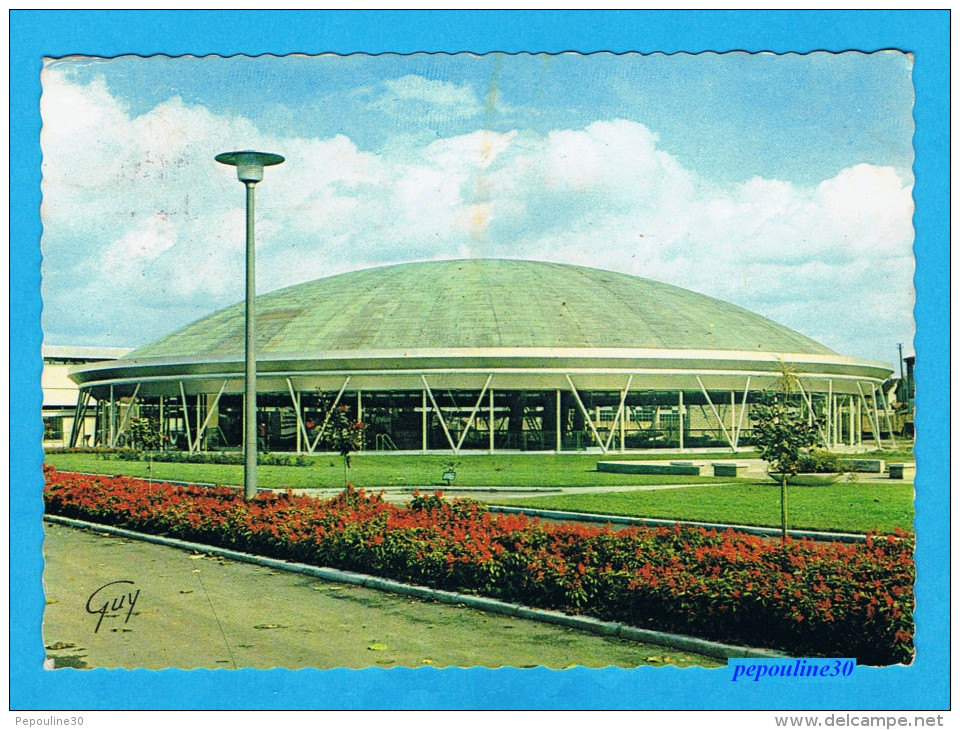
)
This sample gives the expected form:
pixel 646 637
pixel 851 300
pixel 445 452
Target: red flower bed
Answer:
pixel 807 598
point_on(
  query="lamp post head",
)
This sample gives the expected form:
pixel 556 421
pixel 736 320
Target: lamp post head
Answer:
pixel 249 164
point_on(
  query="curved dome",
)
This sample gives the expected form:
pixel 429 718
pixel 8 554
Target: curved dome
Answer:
pixel 480 303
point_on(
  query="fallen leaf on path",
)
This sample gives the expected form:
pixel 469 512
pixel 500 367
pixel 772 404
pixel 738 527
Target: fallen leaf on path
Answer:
pixel 427 661
pixel 196 557
pixel 51 601
pixel 195 570
pixel 186 591
pixel 571 666
pixel 269 626
pixel 60 645
pixel 378 647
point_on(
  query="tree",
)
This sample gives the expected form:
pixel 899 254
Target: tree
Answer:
pixel 343 435
pixel 783 435
pixel 144 434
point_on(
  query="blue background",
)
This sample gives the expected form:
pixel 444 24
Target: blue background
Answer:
pixel 35 34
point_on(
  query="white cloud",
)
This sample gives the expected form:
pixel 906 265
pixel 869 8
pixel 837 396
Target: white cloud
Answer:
pixel 137 203
pixel 132 253
pixel 413 94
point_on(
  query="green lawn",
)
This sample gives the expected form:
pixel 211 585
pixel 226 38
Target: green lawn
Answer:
pixel 853 507
pixel 370 471
pixel 847 507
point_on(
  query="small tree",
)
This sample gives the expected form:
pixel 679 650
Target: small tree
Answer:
pixel 783 436
pixel 144 434
pixel 344 435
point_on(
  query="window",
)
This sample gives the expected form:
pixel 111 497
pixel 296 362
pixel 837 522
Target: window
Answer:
pixel 53 428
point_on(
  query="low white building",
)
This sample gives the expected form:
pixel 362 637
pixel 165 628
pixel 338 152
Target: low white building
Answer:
pixel 60 392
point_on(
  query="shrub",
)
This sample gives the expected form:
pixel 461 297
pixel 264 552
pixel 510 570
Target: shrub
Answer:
pixel 828 599
pixel 819 462
pixel 144 433
pixel 184 457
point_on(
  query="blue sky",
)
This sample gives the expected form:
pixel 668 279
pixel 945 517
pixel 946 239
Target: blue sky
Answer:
pixel 780 183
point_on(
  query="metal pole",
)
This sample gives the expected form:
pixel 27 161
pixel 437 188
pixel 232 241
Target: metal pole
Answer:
pixel 250 166
pixel 250 362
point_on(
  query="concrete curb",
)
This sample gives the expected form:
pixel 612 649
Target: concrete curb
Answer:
pixel 493 605
pixel 649 522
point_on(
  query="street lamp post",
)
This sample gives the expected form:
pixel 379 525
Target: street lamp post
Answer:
pixel 250 166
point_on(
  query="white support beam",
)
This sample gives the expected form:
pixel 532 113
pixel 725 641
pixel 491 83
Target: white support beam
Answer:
pixel 473 413
pixel 618 419
pixel 79 413
pixel 874 427
pixel 850 406
pixel 835 421
pixel 743 410
pixel 733 414
pixel 716 413
pixel 206 421
pixel 809 403
pixel 830 407
pixel 326 419
pixel 680 418
pixel 586 415
pixel 861 407
pixel 112 421
pixel 559 428
pixel 186 417
pixel 423 419
pixel 876 412
pixel 886 416
pixel 490 424
pixel 126 415
pixel 301 426
pixel 436 409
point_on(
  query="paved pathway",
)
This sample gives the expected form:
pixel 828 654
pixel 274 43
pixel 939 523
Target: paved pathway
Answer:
pixel 200 611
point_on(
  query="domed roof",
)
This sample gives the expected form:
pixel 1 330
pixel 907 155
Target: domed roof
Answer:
pixel 480 303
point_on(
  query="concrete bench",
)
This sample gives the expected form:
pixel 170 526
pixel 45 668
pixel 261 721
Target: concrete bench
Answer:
pixel 907 470
pixel 635 467
pixel 866 466
pixel 729 469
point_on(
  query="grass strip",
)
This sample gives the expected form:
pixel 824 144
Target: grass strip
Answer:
pixel 843 507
